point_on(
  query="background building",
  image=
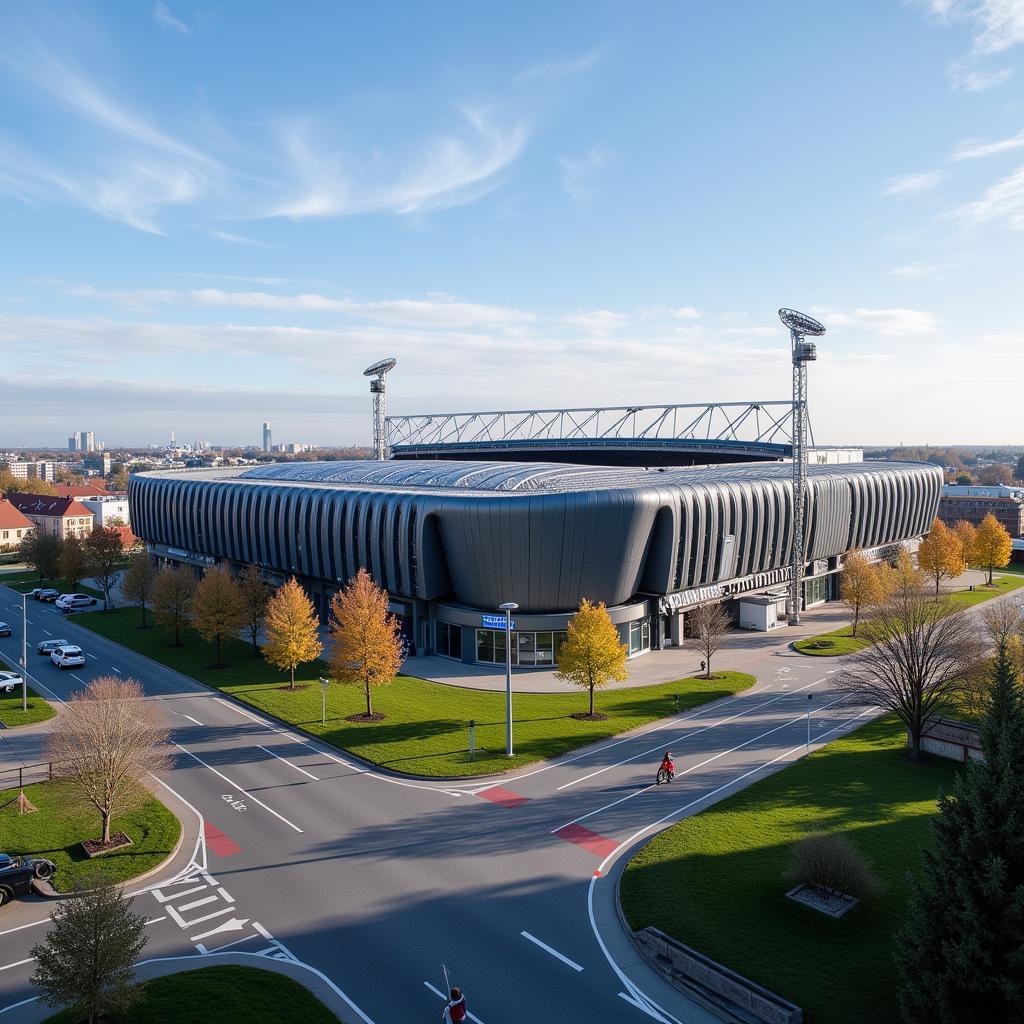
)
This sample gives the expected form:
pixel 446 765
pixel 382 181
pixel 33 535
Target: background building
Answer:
pixel 450 541
pixel 266 437
pixel 974 502
pixel 15 526
pixel 35 470
pixel 99 463
pixel 62 517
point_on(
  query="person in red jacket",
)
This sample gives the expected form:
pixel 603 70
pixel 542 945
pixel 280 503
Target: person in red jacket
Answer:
pixel 669 765
pixel 455 1009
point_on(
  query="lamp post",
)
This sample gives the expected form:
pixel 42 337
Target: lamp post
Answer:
pixel 24 655
pixel 508 608
pixel 810 698
pixel 324 683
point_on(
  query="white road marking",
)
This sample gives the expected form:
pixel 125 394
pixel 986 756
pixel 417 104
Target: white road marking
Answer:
pixel 235 785
pixel 687 736
pixel 154 920
pixel 47 632
pixel 693 768
pixel 21 927
pixel 199 903
pixel 117 670
pixel 17 963
pixel 642 1007
pixel 183 715
pixel 79 678
pixel 287 762
pixel 554 952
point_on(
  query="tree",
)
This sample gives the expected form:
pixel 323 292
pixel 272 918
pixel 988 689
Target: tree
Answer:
pixel 11 484
pixel 138 582
pixel 968 535
pixel 218 611
pixel 119 480
pixel 72 561
pixel 992 545
pixel 904 575
pixel 1019 472
pixel 293 629
pixel 104 557
pixel 115 521
pixel 88 957
pixel 367 645
pixel 960 951
pixel 255 595
pixel 964 480
pixel 107 739
pixel 172 599
pixel 919 655
pixel 940 554
pixel 999 473
pixel 861 585
pixel 709 624
pixel 591 655
pixel 42 551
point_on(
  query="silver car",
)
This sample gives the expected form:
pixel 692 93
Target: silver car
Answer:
pixel 9 681
pixel 48 646
pixel 68 657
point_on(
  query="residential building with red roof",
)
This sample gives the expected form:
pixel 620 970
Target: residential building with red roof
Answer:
pixel 96 490
pixel 61 517
pixel 15 526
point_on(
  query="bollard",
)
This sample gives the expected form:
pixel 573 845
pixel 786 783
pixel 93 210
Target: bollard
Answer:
pixel 675 701
pixel 472 725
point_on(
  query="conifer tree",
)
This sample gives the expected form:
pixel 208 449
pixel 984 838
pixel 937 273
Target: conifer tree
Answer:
pixel 961 951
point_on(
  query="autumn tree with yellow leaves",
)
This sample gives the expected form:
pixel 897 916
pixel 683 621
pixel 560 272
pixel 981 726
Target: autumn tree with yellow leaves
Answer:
pixel 993 545
pixel 292 629
pixel 941 554
pixel 592 654
pixel 862 585
pixel 218 612
pixel 968 534
pixel 368 649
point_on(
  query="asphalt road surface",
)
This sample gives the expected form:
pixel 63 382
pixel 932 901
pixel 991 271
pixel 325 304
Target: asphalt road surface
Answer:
pixel 375 880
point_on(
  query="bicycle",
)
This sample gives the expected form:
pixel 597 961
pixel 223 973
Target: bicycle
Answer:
pixel 664 775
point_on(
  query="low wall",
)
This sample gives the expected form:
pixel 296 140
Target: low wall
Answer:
pixel 956 741
pixel 713 984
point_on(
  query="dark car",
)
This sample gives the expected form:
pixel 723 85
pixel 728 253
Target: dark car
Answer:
pixel 46 646
pixel 18 873
pixel 34 592
pixel 49 594
pixel 5 629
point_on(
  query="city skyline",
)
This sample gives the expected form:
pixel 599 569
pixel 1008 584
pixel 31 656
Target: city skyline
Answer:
pixel 528 209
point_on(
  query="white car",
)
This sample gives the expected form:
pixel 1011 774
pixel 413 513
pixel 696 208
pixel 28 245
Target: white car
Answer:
pixel 9 681
pixel 68 657
pixel 70 601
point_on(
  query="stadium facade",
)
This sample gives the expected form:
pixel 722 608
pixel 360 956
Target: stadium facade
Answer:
pixel 450 541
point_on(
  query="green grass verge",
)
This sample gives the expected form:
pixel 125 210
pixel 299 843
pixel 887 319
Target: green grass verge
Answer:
pixel 1000 585
pixel 715 881
pixel 63 820
pixel 24 582
pixel 839 641
pixel 11 714
pixel 228 995
pixel 426 731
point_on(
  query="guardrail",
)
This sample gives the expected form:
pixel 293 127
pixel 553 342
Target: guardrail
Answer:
pixel 34 772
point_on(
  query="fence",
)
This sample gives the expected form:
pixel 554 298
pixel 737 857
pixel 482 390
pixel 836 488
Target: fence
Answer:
pixel 41 771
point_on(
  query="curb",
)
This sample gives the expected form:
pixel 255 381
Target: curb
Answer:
pixel 43 887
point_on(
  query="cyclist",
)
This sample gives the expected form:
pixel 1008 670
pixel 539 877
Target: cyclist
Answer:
pixel 668 765
pixel 455 1008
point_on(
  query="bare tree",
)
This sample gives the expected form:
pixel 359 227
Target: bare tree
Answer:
pixel 255 597
pixel 919 657
pixel 708 626
pixel 106 740
pixel 172 599
pixel 104 560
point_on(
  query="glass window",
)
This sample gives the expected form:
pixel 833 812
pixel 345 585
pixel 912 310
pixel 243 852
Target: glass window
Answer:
pixel 485 645
pixel 639 636
pixel 455 641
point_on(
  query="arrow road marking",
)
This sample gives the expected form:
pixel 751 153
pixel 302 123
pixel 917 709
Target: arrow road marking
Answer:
pixel 236 924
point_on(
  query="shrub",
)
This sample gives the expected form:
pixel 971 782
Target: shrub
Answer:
pixel 830 863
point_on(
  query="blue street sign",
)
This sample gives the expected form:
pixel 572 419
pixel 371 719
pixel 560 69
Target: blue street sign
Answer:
pixel 495 622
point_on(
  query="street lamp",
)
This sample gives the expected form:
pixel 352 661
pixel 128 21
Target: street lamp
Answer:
pixel 324 683
pixel 508 608
pixel 24 655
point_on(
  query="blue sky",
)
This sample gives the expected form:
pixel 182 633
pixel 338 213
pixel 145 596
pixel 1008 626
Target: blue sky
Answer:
pixel 215 214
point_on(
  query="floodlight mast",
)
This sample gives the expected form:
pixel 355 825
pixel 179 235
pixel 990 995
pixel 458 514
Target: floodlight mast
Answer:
pixel 803 352
pixel 378 388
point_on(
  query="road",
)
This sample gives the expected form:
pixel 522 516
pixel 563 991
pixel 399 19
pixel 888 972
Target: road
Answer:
pixel 374 880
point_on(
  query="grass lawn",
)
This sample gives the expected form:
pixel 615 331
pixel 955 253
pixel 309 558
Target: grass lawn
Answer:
pixel 715 881
pixel 426 731
pixel 1000 585
pixel 64 820
pixel 25 581
pixel 228 995
pixel 840 641
pixel 11 714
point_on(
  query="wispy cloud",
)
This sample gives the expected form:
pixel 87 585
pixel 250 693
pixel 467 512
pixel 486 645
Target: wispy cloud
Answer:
pixel 917 271
pixel 967 78
pixel 996 26
pixel 450 170
pixel 1001 203
pixel 164 16
pixel 911 184
pixel 562 68
pixel 888 322
pixel 578 174
pixel 227 236
pixel 974 149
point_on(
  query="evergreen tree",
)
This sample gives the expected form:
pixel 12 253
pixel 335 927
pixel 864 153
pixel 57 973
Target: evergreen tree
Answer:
pixel 961 952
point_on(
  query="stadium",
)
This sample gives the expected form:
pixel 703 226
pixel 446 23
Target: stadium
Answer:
pixel 451 540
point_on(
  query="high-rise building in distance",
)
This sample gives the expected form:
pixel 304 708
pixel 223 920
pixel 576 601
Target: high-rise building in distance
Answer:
pixel 86 441
pixel 266 437
pixel 73 443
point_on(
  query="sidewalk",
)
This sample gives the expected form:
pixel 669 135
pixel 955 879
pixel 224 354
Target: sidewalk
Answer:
pixel 743 652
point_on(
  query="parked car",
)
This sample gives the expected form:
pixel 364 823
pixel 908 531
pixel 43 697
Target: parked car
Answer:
pixel 48 646
pixel 9 681
pixel 48 594
pixel 34 592
pixel 5 629
pixel 66 602
pixel 68 656
pixel 17 874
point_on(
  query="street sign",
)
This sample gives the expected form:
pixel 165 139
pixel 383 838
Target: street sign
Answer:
pixel 495 622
